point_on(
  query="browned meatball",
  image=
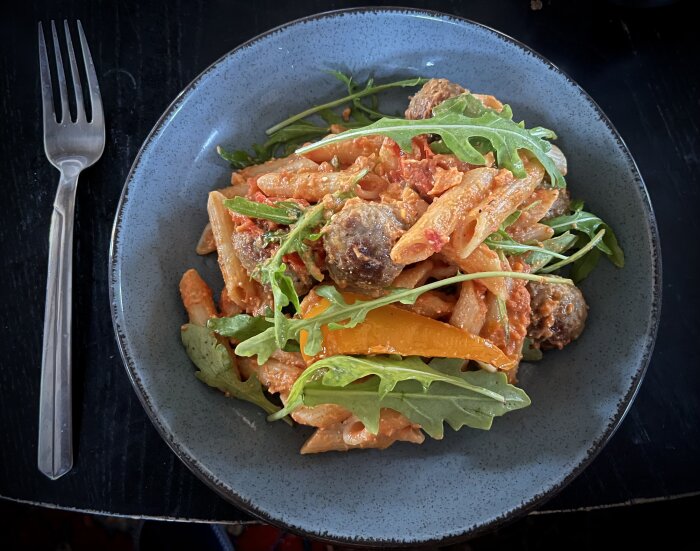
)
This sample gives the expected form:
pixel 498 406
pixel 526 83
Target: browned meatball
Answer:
pixel 434 92
pixel 560 206
pixel 558 314
pixel 358 241
pixel 252 251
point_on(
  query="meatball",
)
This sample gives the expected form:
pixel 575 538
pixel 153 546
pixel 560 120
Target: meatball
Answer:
pixel 434 92
pixel 252 251
pixel 358 241
pixel 560 205
pixel 558 314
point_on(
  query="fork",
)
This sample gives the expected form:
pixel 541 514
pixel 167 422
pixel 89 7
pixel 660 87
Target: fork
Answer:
pixel 71 146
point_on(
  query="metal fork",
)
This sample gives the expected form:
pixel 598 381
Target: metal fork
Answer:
pixel 70 146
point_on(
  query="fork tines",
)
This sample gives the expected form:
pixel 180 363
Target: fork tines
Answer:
pixel 46 86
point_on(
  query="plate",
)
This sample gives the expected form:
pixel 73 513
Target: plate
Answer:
pixel 441 490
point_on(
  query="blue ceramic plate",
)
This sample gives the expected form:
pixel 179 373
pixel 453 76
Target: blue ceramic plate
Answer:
pixel 441 490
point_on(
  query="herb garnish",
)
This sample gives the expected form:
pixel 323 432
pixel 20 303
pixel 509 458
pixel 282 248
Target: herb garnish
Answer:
pixel 215 367
pixel 286 136
pixel 427 395
pixel 284 212
pixel 586 224
pixel 456 121
pixel 369 89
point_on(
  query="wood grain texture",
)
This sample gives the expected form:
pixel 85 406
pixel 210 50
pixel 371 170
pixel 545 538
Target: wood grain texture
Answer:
pixel 639 65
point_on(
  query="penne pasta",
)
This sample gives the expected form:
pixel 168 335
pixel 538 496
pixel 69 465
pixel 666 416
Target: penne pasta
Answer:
pixel 247 367
pixel 504 197
pixel 197 298
pixel 347 152
pixel 536 232
pixel 351 433
pixel 532 211
pixel 482 259
pixel 199 303
pixel 443 270
pixel 227 307
pixel 433 230
pixel 310 186
pixel 293 163
pixel 241 289
pixel 444 179
pixel 412 277
pixel 433 304
pixel 279 376
pixel 469 312
pixel 321 416
pixel 206 243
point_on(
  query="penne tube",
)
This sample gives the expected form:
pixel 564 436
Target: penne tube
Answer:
pixel 532 211
pixel 241 289
pixel 347 152
pixel 197 298
pixel 227 307
pixel 293 163
pixel 469 312
pixel 536 232
pixel 432 230
pixel 199 303
pixel 329 439
pixel 206 243
pixel 433 304
pixel 503 199
pixel 482 259
pixel 412 277
pixel 321 416
pixel 351 433
pixel 310 186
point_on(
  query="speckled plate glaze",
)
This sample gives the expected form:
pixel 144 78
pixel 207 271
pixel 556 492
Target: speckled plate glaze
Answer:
pixel 442 490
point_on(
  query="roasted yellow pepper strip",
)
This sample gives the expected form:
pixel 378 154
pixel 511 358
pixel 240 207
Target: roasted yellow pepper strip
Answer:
pixel 393 330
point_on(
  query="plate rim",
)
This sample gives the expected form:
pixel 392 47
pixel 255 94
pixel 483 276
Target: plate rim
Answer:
pixel 195 466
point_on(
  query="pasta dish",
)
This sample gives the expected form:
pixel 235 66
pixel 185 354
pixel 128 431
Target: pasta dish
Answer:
pixel 385 275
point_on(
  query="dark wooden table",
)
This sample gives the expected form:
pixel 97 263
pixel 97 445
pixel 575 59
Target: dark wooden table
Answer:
pixel 641 66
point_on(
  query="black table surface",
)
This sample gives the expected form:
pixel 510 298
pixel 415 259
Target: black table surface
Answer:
pixel 640 65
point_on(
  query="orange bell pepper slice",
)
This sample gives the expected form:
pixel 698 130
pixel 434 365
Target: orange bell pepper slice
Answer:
pixel 394 330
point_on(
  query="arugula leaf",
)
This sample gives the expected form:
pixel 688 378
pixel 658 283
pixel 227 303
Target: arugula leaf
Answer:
pixel 240 327
pixel 215 368
pixel 284 213
pixel 441 402
pixel 361 113
pixel 340 371
pixel 265 343
pixel 511 219
pixel 286 140
pixel 289 134
pixel 367 91
pixel 241 159
pixel 457 129
pixel 501 241
pixel 582 267
pixel 597 238
pixel 589 224
pixel 272 271
pixel 538 259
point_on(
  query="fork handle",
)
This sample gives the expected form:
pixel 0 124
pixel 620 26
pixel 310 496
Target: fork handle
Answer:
pixel 55 455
